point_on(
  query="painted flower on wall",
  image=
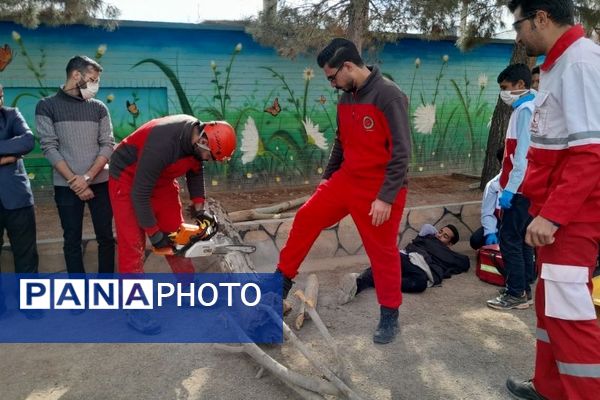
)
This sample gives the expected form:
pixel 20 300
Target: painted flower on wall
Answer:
pixel 445 58
pixel 314 136
pixel 251 143
pixel 100 51
pixel 482 80
pixel 16 36
pixel 417 62
pixel 308 74
pixel 424 117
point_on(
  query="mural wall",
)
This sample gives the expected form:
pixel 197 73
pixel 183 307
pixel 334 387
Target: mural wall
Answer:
pixel 283 110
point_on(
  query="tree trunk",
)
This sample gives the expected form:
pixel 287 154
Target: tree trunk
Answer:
pixel 464 15
pixel 500 124
pixel 358 12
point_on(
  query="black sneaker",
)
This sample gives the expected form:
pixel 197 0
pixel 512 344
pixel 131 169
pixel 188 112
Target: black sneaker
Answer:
pixel 527 292
pixel 522 390
pixel 508 302
pixel 388 326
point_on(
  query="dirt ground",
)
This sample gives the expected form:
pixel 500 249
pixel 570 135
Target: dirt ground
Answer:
pixel 451 347
pixel 430 190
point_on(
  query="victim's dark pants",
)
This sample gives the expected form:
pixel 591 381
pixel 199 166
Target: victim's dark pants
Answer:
pixel 414 279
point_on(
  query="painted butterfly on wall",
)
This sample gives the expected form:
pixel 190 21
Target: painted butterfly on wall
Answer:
pixel 132 108
pixel 5 56
pixel 275 108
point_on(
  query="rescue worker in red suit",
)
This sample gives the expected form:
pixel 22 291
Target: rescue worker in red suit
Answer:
pixel 143 183
pixel 563 185
pixel 365 177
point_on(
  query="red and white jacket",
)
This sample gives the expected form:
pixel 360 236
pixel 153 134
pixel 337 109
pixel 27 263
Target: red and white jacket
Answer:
pixel 563 175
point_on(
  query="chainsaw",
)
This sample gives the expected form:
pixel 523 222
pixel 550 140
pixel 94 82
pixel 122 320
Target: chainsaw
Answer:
pixel 201 240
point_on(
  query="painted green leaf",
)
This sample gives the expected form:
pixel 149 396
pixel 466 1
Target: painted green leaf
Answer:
pixel 285 137
pixel 186 108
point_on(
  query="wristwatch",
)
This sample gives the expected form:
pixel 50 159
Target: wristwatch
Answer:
pixel 86 178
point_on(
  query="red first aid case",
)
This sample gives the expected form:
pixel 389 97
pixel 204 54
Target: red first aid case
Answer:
pixel 490 266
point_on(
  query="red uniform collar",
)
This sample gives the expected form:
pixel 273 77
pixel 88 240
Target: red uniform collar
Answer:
pixel 567 39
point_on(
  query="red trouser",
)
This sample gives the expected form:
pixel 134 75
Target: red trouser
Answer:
pixel 131 239
pixel 567 364
pixel 332 201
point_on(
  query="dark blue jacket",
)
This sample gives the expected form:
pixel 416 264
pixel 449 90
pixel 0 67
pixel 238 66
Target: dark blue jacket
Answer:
pixel 16 139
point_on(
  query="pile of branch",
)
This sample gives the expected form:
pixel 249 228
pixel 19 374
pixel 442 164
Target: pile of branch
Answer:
pixel 271 212
pixel 332 382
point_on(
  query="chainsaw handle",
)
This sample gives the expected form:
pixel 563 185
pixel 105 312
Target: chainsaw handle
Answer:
pixel 214 228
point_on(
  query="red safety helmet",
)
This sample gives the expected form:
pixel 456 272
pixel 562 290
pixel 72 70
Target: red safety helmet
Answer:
pixel 221 139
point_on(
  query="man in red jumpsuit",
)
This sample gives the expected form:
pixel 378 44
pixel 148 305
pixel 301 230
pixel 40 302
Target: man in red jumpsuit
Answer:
pixel 365 177
pixel 563 184
pixel 143 188
pixel 144 192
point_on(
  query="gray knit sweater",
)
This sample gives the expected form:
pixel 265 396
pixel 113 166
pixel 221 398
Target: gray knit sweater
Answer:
pixel 76 131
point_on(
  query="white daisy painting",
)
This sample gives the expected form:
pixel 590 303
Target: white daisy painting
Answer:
pixel 424 118
pixel 251 143
pixel 314 136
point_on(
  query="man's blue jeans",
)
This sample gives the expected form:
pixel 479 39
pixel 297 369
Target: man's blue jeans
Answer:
pixel 517 256
pixel 70 210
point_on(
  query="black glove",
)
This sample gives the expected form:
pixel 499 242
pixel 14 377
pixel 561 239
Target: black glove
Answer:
pixel 204 216
pixel 161 240
pixel 207 221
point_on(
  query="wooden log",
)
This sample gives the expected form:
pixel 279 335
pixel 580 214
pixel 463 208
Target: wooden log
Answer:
pixel 316 318
pixel 311 294
pixel 253 215
pixel 275 211
pixel 286 205
pixel 281 371
pixel 327 373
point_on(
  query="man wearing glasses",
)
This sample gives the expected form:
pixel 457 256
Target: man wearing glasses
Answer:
pixel 365 177
pixel 563 184
pixel 76 137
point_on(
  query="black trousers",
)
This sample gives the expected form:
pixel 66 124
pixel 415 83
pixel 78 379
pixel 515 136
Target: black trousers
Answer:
pixel 70 210
pixel 19 225
pixel 414 279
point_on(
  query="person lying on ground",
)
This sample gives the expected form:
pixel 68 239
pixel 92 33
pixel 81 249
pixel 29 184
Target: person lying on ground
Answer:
pixel 426 261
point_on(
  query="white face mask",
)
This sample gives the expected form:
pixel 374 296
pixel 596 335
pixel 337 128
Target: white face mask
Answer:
pixel 510 98
pixel 90 90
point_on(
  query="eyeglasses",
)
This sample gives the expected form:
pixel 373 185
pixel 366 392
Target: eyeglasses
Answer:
pixel 331 78
pixel 518 22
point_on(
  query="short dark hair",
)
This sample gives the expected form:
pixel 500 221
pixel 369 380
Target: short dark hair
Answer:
pixel 561 12
pixel 535 70
pixel 515 73
pixel 338 51
pixel 81 64
pixel 456 236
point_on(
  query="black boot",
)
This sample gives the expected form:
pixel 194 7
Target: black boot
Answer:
pixel 522 390
pixel 388 326
pixel 287 284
